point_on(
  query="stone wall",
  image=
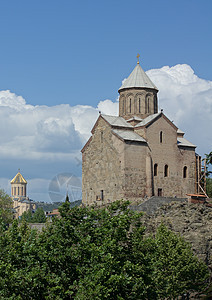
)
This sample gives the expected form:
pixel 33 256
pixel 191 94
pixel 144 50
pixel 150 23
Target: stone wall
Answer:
pixel 135 170
pixel 137 102
pixel 192 221
pixel 102 167
pixel 167 152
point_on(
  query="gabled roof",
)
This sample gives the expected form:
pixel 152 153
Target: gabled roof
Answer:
pixel 148 119
pixel 18 179
pixel 134 118
pixel 116 121
pixel 180 131
pixel 184 143
pixel 151 118
pixel 138 79
pixel 128 135
pixel 113 121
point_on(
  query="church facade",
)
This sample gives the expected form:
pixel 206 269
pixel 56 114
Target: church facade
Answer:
pixel 21 203
pixel 138 154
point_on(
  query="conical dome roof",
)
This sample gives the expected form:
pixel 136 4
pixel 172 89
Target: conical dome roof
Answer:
pixel 138 79
pixel 18 179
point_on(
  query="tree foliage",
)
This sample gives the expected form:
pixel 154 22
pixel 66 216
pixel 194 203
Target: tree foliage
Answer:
pixel 209 187
pixel 6 204
pixel 209 158
pixel 37 217
pixel 97 254
pixel 208 173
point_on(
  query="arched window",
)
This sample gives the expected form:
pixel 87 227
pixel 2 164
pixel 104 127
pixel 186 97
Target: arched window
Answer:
pixel 14 191
pixel 22 190
pixel 130 105
pixel 18 192
pixel 166 171
pixel 102 136
pixel 139 105
pixel 147 101
pixel 123 105
pixel 185 172
pixel 161 137
pixel 155 169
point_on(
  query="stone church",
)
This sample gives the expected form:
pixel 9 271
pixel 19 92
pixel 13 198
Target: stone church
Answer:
pixel 21 202
pixel 138 154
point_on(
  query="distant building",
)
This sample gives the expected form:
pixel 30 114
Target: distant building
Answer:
pixel 140 153
pixel 21 202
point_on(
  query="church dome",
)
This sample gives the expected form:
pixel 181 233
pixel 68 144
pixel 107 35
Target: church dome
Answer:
pixel 18 179
pixel 138 79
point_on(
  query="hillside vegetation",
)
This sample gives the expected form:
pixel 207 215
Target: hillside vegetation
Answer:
pixel 92 253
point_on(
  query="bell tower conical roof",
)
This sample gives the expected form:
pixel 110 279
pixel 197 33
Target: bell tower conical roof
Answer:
pixel 18 179
pixel 137 95
pixel 138 79
pixel 18 186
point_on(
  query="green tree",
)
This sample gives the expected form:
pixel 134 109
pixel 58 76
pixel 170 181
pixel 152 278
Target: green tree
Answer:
pixel 209 187
pixel 27 216
pixel 65 207
pixel 6 204
pixel 176 269
pixel 37 217
pixel 209 158
pixel 208 173
pixel 97 254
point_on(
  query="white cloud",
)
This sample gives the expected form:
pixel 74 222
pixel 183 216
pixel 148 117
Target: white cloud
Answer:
pixel 186 99
pixel 45 141
pixel 108 107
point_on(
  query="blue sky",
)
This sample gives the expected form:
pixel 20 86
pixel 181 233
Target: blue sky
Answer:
pixel 76 53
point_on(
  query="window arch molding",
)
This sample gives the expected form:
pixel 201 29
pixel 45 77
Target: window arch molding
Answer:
pixel 139 102
pixel 148 99
pixel 122 105
pixel 129 107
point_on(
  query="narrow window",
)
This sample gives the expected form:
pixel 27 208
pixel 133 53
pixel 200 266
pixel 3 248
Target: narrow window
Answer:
pixel 101 136
pixel 139 105
pixel 166 171
pixel 155 169
pixel 130 105
pixel 161 137
pixel 155 105
pixel 14 191
pixel 159 192
pixel 147 104
pixel 22 190
pixel 123 106
pixel 102 196
pixel 18 191
pixel 185 172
